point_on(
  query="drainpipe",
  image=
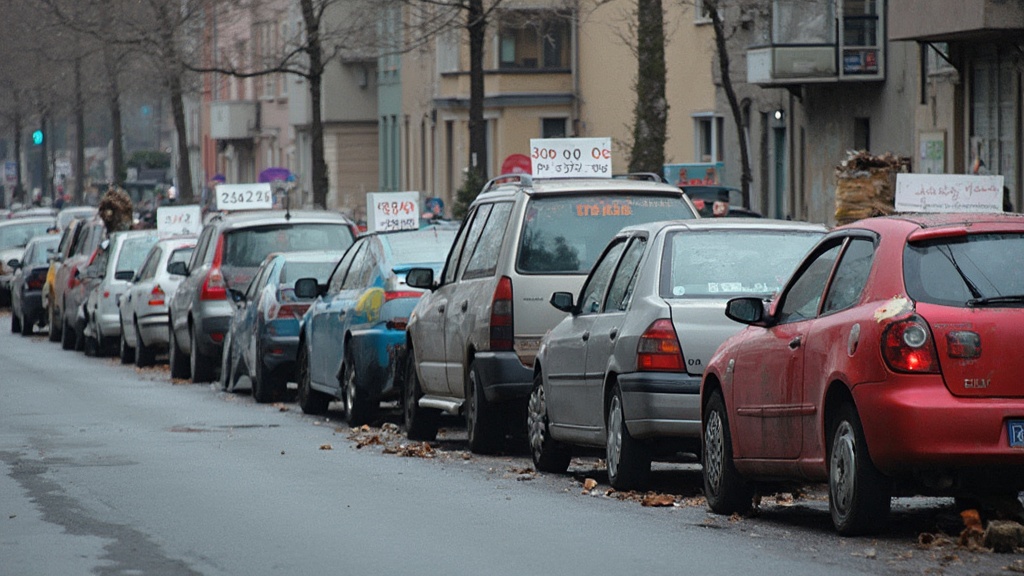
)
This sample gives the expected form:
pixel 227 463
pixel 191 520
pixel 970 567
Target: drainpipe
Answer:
pixel 574 48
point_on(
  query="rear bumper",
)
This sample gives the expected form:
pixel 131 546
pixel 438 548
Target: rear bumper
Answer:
pixel 912 422
pixel 279 351
pixel 378 352
pixel 153 329
pixel 661 404
pixel 210 331
pixel 503 376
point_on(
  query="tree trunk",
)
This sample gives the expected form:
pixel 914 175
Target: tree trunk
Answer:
pixel 184 171
pixel 117 130
pixel 79 136
pixel 651 113
pixel 320 178
pixel 18 194
pixel 44 161
pixel 476 24
pixel 730 93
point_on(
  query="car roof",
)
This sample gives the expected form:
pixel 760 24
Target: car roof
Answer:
pixel 47 238
pixel 699 224
pixel 260 217
pixel 508 186
pixel 28 220
pixel 911 221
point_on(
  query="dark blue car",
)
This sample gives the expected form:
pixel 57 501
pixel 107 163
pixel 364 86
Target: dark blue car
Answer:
pixel 354 335
pixel 264 333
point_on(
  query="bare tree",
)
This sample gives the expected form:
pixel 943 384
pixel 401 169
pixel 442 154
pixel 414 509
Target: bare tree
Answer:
pixel 650 115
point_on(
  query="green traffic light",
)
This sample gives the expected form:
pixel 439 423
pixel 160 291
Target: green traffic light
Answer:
pixel 37 137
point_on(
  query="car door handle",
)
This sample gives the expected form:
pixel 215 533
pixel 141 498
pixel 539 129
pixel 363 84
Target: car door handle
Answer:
pixel 465 306
pixel 613 334
pixel 440 309
pixel 795 343
pixel 586 336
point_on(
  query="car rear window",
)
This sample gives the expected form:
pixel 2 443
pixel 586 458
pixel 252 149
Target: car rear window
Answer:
pixel 419 246
pixel 952 271
pixel 181 255
pixel 727 263
pixel 133 253
pixel 293 271
pixel 566 234
pixel 40 251
pixel 18 235
pixel 246 248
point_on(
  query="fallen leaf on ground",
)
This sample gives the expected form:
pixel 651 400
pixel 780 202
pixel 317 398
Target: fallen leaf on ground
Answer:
pixel 1017 566
pixel 784 499
pixel 326 447
pixel 364 441
pixel 654 499
pixel 414 450
pixel 735 517
pixel 973 533
pixel 589 484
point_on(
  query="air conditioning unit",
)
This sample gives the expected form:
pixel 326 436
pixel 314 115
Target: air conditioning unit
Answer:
pixel 233 119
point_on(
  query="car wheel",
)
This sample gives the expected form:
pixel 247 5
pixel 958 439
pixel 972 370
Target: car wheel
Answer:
pixel 858 494
pixel 179 363
pixel 726 491
pixel 265 387
pixel 144 355
pixel 227 382
pixel 67 337
pixel 55 325
pixel 549 455
pixel 200 365
pixel 125 352
pixel 27 324
pixel 420 423
pixel 483 427
pixel 359 406
pixel 310 401
pixel 629 460
pixel 15 323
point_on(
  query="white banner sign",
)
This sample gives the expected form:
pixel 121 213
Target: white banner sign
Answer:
pixel 244 196
pixel 571 157
pixel 388 211
pixel 186 219
pixel 948 193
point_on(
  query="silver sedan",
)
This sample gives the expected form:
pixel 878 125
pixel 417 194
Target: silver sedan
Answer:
pixel 623 370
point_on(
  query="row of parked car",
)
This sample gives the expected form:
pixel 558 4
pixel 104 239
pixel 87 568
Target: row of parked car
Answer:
pixel 606 313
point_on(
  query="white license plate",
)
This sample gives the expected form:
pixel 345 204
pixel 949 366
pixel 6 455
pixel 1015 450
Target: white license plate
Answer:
pixel 1015 428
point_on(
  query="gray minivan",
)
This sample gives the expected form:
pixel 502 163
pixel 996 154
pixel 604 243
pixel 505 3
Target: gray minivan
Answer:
pixel 472 340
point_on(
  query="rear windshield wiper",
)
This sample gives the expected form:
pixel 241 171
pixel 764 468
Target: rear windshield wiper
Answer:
pixel 996 300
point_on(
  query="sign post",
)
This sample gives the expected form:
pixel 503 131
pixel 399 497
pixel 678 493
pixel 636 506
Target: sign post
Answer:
pixel 390 211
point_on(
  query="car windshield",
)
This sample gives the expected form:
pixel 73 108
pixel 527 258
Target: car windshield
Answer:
pixel 18 235
pixel 727 263
pixel 566 234
pixel 419 246
pixel 133 253
pixel 39 252
pixel 954 271
pixel 245 249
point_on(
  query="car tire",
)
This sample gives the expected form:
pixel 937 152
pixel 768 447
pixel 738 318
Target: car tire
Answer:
pixel 67 337
pixel 145 356
pixel 265 386
pixel 859 496
pixel 91 346
pixel 725 490
pixel 178 362
pixel 549 455
pixel 483 427
pixel 55 325
pixel 227 383
pixel 310 401
pixel 629 460
pixel 420 423
pixel 15 323
pixel 27 324
pixel 200 365
pixel 359 405
pixel 125 352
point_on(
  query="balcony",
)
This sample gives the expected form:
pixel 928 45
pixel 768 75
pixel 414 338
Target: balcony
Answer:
pixel 955 20
pixel 234 119
pixel 819 42
pixel 509 88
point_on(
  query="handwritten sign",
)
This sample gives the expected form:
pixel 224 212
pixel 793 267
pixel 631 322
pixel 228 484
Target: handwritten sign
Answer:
pixel 948 193
pixel 389 211
pixel 244 196
pixel 571 157
pixel 187 220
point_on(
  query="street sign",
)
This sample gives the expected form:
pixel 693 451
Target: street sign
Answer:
pixel 10 173
pixel 948 193
pixel 389 211
pixel 244 196
pixel 186 220
pixel 571 157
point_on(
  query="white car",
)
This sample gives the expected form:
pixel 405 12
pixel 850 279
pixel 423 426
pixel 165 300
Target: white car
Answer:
pixel 120 257
pixel 143 307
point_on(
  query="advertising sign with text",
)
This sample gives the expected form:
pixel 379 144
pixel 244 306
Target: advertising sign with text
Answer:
pixel 948 193
pixel 390 211
pixel 571 157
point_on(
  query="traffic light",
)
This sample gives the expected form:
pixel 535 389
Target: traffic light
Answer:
pixel 37 138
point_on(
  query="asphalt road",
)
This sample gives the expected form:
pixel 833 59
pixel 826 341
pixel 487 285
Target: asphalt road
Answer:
pixel 110 470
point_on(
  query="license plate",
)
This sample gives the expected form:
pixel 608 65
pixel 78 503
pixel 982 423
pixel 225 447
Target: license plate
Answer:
pixel 1015 428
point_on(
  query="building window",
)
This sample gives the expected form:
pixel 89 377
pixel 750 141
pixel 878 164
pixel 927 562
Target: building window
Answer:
pixel 553 127
pixel 861 37
pixel 994 116
pixel 448 51
pixel 533 39
pixel 707 131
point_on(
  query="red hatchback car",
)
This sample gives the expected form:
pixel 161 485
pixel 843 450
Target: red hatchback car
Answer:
pixel 890 364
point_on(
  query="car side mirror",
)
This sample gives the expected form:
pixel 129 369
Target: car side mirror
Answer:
pixel 14 263
pixel 307 288
pixel 747 310
pixel 420 278
pixel 178 268
pixel 562 301
pixel 237 296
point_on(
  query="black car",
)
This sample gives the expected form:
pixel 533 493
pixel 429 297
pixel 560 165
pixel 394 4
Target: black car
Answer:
pixel 27 285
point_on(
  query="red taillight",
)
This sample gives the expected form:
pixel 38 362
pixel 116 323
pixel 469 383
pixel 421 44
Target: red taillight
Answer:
pixel 157 296
pixel 214 287
pixel 36 280
pixel 502 330
pixel 389 296
pixel 73 278
pixel 286 311
pixel 907 346
pixel 658 349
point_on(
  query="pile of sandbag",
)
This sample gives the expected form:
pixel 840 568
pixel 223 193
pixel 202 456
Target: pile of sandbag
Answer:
pixel 866 184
